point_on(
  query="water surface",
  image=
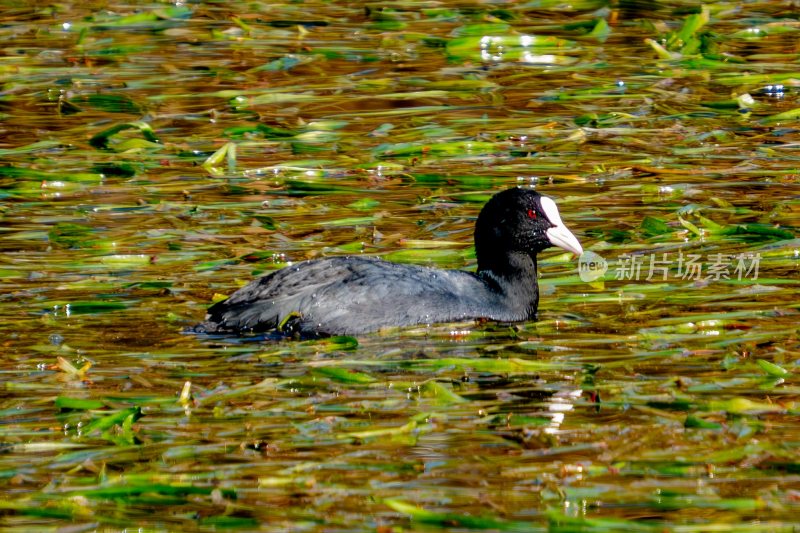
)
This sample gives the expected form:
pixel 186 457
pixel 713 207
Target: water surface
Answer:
pixel 155 157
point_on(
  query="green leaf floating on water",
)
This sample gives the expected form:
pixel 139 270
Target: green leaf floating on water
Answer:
pixel 211 265
pixel 364 204
pixel 561 523
pixel 601 31
pixel 787 116
pixel 336 342
pixel 241 103
pixel 70 235
pixel 93 307
pixel 440 394
pixel 450 520
pixel 105 422
pixel 352 221
pixel 684 42
pixel 29 148
pixel 652 226
pixel 688 501
pixel 479 30
pixel 66 404
pixel 509 47
pixel 772 369
pixel 754 228
pixel 445 258
pixel 744 406
pixel 483 364
pixel 764 30
pixel 269 132
pixel 110 103
pixel 344 375
pixel 229 523
pixel 154 19
pixel 135 487
pixel 39 175
pixel 690 226
pixel 454 148
pixel 126 260
pixel 283 63
pixel 693 421
pixel 226 153
pixel 470 85
pixel 691 25
pixel 102 139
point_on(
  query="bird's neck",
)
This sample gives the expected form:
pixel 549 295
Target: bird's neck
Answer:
pixel 514 274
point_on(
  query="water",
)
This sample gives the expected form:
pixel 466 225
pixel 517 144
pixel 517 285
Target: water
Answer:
pixel 667 403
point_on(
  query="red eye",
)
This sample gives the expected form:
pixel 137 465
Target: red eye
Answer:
pixel 532 214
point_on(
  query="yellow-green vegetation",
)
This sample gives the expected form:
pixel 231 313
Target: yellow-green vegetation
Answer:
pixel 155 157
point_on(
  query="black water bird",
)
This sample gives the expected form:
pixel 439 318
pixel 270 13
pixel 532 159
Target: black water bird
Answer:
pixel 355 294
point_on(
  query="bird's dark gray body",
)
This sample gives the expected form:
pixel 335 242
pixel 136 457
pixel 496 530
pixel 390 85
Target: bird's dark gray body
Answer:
pixel 352 295
pixel 356 294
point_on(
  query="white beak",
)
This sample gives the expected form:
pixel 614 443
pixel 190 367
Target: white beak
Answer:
pixel 559 235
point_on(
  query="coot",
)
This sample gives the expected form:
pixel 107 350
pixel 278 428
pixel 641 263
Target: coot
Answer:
pixel 353 295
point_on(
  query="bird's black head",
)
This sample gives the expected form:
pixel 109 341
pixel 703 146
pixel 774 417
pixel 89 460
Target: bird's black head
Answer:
pixel 519 221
